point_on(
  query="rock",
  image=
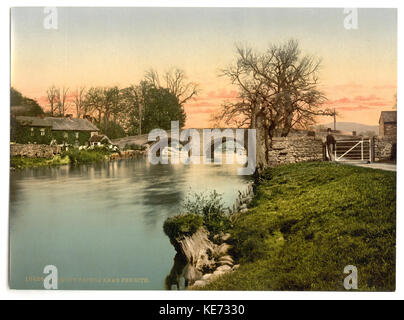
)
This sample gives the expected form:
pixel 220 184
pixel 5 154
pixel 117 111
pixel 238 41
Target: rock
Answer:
pixel 207 277
pixel 226 260
pixel 223 249
pixel 191 274
pixel 243 206
pixel 217 274
pixel 224 268
pixel 243 210
pixel 199 283
pixel 235 267
pixel 226 237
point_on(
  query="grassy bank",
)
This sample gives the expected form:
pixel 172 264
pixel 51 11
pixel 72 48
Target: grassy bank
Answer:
pixel 73 156
pixel 310 220
pixel 25 162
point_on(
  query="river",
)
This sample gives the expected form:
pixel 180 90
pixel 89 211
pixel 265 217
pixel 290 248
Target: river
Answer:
pixel 101 224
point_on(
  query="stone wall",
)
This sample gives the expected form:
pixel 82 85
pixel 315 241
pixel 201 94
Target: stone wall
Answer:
pixel 295 149
pixel 384 148
pixel 390 129
pixel 34 150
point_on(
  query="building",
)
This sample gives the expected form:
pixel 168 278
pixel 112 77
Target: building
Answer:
pixel 72 131
pixel 99 139
pixel 388 124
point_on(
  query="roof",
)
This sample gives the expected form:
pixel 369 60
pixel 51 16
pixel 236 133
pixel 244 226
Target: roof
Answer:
pixel 32 121
pixel 63 124
pixel 98 138
pixel 71 124
pixel 388 116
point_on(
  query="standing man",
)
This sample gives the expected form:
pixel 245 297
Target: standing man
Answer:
pixel 330 144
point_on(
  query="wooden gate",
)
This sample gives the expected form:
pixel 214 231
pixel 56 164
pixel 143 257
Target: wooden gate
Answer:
pixel 358 150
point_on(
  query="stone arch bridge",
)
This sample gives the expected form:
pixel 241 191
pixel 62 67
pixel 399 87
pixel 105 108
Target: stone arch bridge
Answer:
pixel 217 137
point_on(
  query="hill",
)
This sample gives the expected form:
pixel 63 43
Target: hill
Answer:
pixel 352 126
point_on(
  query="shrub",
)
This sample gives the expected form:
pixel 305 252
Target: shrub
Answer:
pixel 182 225
pixel 86 156
pixel 210 207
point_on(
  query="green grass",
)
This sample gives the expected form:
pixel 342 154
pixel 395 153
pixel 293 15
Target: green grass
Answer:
pixel 310 220
pixel 86 156
pixel 18 162
pixel 182 225
pixel 73 156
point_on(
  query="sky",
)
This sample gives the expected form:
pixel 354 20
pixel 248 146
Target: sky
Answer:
pixel 116 46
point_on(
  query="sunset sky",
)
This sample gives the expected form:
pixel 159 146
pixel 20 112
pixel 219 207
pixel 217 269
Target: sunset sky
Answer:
pixel 115 46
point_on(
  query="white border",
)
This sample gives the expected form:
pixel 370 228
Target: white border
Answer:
pixel 6 293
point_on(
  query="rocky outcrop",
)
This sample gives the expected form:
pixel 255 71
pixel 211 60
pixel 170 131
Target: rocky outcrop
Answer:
pixel 200 260
pixel 205 260
pixel 34 150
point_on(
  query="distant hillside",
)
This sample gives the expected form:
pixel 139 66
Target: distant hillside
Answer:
pixel 352 126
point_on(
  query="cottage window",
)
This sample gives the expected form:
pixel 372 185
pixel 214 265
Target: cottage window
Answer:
pixel 32 132
pixel 77 135
pixel 42 131
pixel 65 135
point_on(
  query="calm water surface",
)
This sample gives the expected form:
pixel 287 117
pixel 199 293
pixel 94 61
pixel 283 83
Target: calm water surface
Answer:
pixel 101 224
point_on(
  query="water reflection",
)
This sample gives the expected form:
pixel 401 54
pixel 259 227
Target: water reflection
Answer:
pixel 104 220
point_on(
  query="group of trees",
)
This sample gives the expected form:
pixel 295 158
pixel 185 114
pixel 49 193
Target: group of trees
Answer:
pixel 278 90
pixel 133 110
pixel 24 106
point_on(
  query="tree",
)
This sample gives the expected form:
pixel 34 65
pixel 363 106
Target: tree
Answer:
pixel 94 101
pixel 16 98
pixel 160 108
pixel 277 91
pixel 51 94
pixel 62 104
pixel 24 106
pixel 132 99
pixel 175 81
pixel 79 101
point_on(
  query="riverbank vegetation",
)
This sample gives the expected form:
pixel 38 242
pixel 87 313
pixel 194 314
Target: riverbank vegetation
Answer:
pixel 310 220
pixel 19 162
pixel 72 156
pixel 199 210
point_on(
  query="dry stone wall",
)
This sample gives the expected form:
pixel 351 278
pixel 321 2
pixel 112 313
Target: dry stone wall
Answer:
pixel 295 149
pixel 384 148
pixel 34 150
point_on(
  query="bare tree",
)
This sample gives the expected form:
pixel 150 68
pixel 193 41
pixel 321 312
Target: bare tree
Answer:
pixel 52 99
pixel 176 82
pixel 62 103
pixel 79 101
pixel 277 91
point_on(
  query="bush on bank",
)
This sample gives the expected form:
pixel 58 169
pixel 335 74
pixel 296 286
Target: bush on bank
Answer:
pixel 201 209
pixel 310 220
pixel 77 156
pixel 182 225
pixel 73 156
